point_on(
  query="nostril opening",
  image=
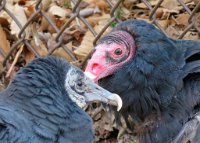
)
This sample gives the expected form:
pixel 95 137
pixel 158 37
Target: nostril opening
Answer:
pixel 94 66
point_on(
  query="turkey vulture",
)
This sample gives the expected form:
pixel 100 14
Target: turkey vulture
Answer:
pixel 42 104
pixel 158 79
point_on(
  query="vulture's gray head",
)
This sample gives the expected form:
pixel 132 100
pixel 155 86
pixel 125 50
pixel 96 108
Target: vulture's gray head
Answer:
pixel 56 75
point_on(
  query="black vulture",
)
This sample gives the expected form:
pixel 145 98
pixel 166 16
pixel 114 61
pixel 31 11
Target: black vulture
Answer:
pixel 42 104
pixel 157 77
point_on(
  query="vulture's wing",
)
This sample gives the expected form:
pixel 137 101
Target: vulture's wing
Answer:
pixel 191 73
pixel 12 126
pixel 191 77
pixel 190 131
pixel 15 127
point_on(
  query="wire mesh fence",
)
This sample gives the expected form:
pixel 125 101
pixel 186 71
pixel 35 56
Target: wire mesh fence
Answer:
pixel 39 12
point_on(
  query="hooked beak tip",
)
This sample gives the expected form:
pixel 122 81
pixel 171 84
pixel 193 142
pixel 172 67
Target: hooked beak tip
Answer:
pixel 119 102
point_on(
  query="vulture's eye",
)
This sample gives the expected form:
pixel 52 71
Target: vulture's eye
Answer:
pixel 79 86
pixel 118 51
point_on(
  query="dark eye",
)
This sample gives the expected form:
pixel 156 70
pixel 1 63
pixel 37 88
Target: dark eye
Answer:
pixel 79 83
pixel 118 51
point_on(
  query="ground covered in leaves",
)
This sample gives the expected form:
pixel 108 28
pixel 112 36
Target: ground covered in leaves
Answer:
pixel 171 16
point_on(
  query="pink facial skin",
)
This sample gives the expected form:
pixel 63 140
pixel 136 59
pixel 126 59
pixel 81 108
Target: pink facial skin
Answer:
pixel 109 57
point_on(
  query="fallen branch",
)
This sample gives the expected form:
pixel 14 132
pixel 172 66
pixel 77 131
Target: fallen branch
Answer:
pixel 15 61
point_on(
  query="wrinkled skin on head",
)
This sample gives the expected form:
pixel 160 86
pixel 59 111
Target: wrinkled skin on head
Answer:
pixel 111 54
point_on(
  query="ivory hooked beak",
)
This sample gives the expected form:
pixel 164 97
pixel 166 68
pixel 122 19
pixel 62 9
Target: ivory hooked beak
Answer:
pixel 103 95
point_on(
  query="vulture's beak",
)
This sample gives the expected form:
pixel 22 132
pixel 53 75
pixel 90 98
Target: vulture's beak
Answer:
pixel 97 93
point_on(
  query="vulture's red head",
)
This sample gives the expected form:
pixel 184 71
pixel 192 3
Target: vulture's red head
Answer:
pixel 110 54
pixel 118 48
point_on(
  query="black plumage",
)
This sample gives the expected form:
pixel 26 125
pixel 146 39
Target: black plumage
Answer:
pixel 159 85
pixel 38 105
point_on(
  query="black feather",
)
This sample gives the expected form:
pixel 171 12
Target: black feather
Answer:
pixel 36 107
pixel 160 86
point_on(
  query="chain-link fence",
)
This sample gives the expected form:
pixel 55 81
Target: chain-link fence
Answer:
pixel 40 12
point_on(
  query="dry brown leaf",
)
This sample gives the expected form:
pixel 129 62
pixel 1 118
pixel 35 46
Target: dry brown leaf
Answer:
pixel 171 4
pixel 143 6
pixel 188 1
pixel 29 10
pixel 4 22
pixel 197 16
pixel 48 41
pixel 196 1
pixel 78 34
pixel 25 2
pixel 57 11
pixel 41 49
pixel 20 15
pixel 191 36
pixel 126 12
pixel 103 19
pixel 171 11
pixel 28 55
pixel 159 13
pixel 4 14
pixel 22 2
pixel 37 43
pixel 10 2
pixel 73 33
pixel 100 3
pixel 93 20
pixel 182 19
pixel 165 23
pixel 1 62
pixel 46 4
pixel 173 32
pixel 46 26
pixel 4 43
pixel 143 17
pixel 164 13
pixel 60 52
pixel 87 44
pixel 60 22
pixel 129 3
